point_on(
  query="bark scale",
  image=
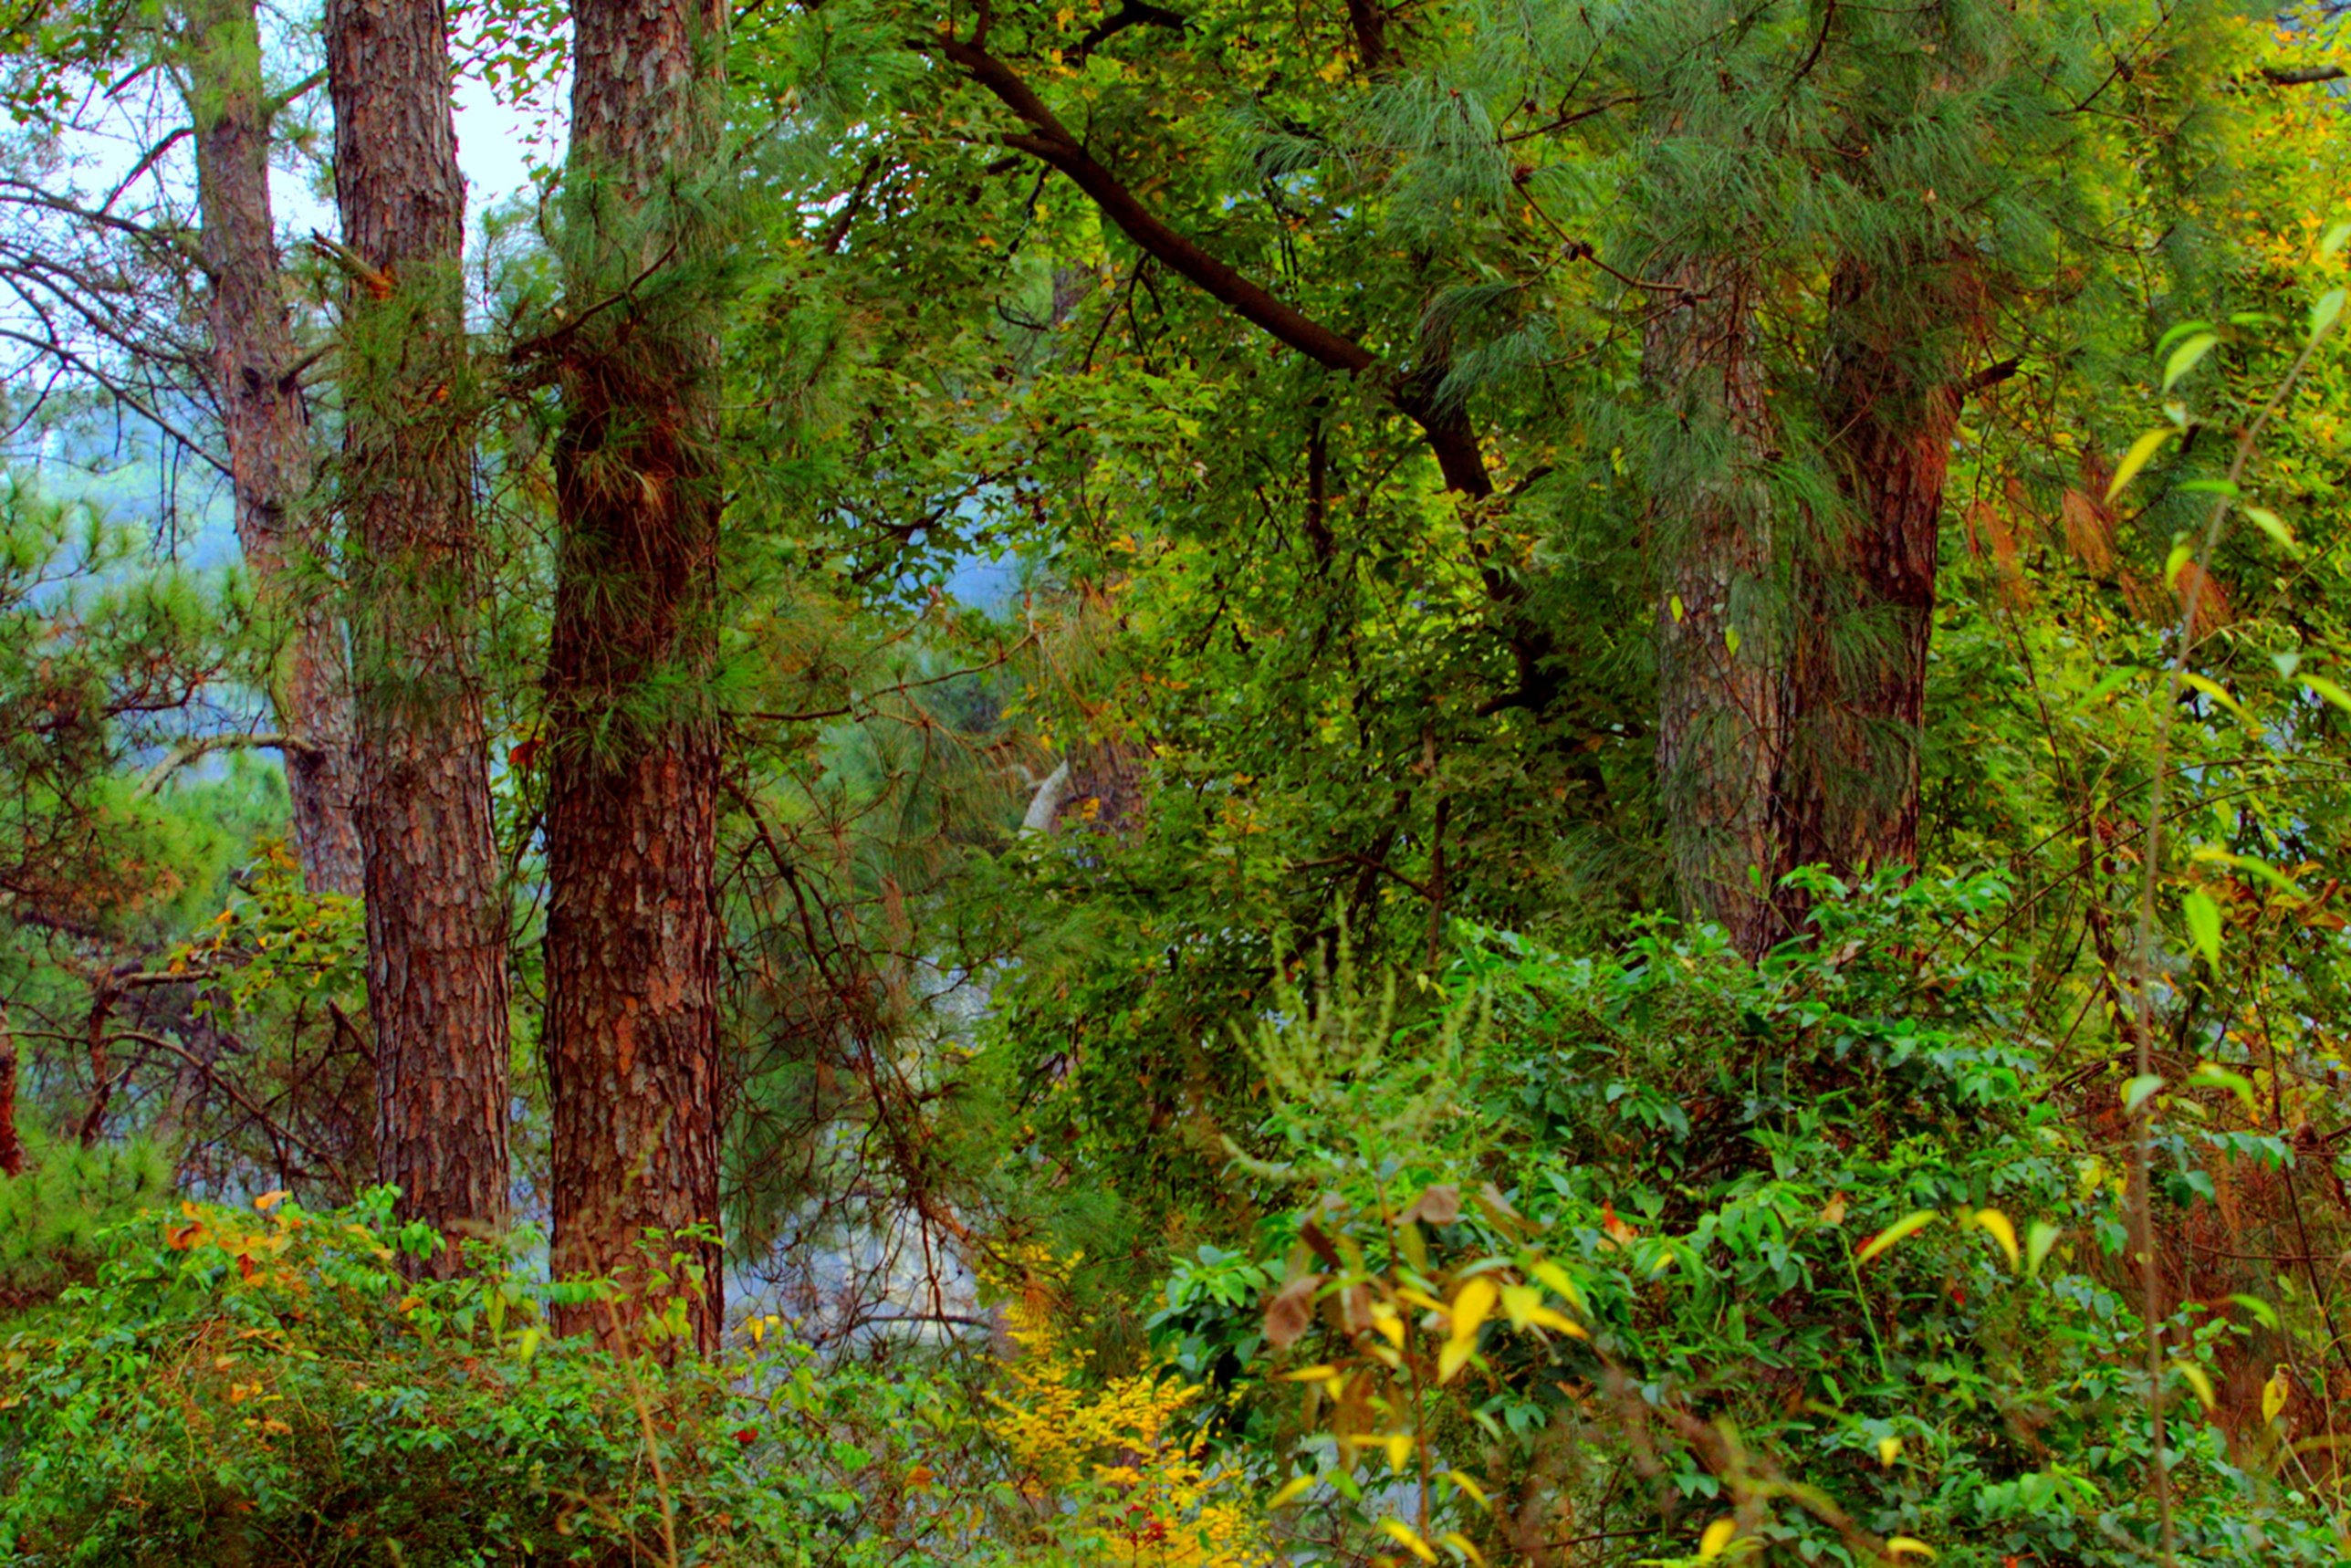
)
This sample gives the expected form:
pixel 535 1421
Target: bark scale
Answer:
pixel 266 426
pixel 1722 693
pixel 1866 596
pixel 436 914
pixel 632 1055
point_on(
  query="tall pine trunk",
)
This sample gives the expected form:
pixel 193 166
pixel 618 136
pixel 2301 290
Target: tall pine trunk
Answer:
pixel 266 426
pixel 436 914
pixel 1866 593
pixel 1721 688
pixel 632 938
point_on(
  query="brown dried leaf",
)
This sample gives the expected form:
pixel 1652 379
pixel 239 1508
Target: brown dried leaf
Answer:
pixel 1291 1311
pixel 1437 1205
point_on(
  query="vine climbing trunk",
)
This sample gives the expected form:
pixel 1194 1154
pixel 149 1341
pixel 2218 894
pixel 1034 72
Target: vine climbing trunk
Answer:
pixel 437 917
pixel 1722 686
pixel 265 422
pixel 633 1051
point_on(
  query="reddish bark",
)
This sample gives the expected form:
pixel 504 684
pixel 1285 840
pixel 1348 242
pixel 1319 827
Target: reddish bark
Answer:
pixel 12 1149
pixel 1866 593
pixel 1721 688
pixel 632 940
pixel 437 982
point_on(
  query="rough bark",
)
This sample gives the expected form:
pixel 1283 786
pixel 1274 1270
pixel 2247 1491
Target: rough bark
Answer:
pixel 12 1148
pixel 632 943
pixel 1721 691
pixel 1866 593
pixel 266 427
pixel 436 908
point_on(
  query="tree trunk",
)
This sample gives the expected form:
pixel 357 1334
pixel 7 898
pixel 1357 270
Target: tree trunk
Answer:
pixel 436 913
pixel 1866 593
pixel 12 1148
pixel 632 937
pixel 1721 687
pixel 267 429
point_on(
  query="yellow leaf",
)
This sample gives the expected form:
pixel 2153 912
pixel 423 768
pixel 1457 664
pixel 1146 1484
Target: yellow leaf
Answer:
pixel 1291 1491
pixel 2275 1393
pixel 1552 1274
pixel 1717 1539
pixel 1888 1450
pixel 1833 1212
pixel 1899 1545
pixel 1314 1374
pixel 1469 1314
pixel 1675 604
pixel 1464 1545
pixel 269 1200
pixel 1399 1446
pixel 2217 692
pixel 2201 1381
pixel 1409 1537
pixel 1895 1232
pixel 2004 1233
pixel 1477 1493
pixel 2145 447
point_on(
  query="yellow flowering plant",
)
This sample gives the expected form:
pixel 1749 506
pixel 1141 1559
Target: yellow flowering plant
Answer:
pixel 1115 1470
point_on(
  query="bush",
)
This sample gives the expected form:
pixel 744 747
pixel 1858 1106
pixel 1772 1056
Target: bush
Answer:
pixel 265 1388
pixel 1669 1249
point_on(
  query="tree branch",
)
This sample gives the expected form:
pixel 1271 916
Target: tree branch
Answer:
pixel 1050 141
pixel 187 751
pixel 2303 75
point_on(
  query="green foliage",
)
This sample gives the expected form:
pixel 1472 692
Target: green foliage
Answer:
pixel 55 1216
pixel 243 1387
pixel 1832 1266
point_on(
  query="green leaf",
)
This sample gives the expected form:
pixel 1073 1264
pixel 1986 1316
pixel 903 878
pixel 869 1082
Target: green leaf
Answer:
pixel 2263 1313
pixel 2329 690
pixel 2270 523
pixel 2333 240
pixel 2212 1075
pixel 2185 329
pixel 2145 447
pixel 2203 924
pixel 2324 314
pixel 2216 691
pixel 2185 357
pixel 2182 552
pixel 1730 641
pixel 2140 1090
pixel 2037 1240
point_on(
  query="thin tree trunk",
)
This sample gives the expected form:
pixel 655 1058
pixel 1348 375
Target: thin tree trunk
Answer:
pixel 12 1148
pixel 267 429
pixel 1721 687
pixel 1866 600
pixel 436 912
pixel 632 939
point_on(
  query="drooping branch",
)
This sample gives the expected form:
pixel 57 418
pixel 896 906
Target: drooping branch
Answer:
pixel 1413 393
pixel 187 751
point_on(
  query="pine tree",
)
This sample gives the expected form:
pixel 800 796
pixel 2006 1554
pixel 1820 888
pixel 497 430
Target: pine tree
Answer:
pixel 437 981
pixel 632 1034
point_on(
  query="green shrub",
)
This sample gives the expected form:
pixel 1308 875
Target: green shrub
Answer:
pixel 266 1388
pixel 53 1215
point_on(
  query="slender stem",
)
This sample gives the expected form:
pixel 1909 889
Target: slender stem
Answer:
pixel 2143 1140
